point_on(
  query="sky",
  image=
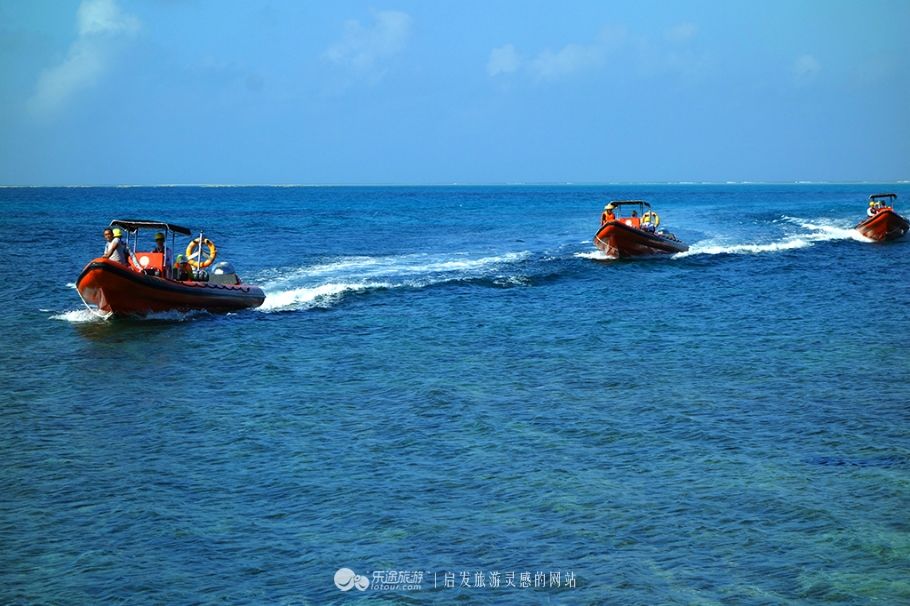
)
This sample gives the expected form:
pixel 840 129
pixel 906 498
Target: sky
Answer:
pixel 107 92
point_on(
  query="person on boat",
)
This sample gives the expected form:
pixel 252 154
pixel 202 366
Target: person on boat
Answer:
pixel 873 207
pixel 648 222
pixel 166 253
pixel 182 269
pixel 159 243
pixel 116 249
pixel 607 214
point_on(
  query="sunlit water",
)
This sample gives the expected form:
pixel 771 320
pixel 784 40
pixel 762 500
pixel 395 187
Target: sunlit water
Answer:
pixel 452 380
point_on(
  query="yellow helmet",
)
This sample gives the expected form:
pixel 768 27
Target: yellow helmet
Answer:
pixel 159 236
pixel 871 202
pixel 118 233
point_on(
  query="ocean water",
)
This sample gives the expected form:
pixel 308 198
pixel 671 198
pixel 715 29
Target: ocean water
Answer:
pixel 451 386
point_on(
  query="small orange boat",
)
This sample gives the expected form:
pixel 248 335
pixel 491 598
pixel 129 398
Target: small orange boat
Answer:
pixel 637 235
pixel 882 223
pixel 148 283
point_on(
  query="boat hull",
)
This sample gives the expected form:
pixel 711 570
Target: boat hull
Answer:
pixel 883 226
pixel 620 241
pixel 109 288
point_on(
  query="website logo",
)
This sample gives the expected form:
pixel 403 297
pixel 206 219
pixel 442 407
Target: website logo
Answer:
pixel 346 579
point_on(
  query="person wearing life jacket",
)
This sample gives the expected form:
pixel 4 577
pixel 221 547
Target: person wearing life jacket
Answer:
pixel 873 208
pixel 116 249
pixel 649 221
pixel 182 270
pixel 607 214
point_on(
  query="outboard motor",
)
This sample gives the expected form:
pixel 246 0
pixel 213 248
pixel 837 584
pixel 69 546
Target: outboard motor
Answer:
pixel 224 273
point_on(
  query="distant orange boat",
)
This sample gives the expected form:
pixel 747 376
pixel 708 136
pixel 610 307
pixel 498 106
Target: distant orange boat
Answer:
pixel 149 284
pixel 637 235
pixel 883 223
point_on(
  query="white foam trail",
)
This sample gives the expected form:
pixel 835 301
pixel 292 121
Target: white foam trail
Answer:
pixel 71 285
pixel 272 279
pixel 429 264
pixel 507 281
pixel 308 297
pixel 822 230
pixel 597 255
pixel 324 284
pixel 341 265
pixel 462 265
pixel 77 316
pixel 348 269
pixel 739 249
pixel 826 230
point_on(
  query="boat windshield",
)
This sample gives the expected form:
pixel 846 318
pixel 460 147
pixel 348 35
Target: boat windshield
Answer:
pixel 879 200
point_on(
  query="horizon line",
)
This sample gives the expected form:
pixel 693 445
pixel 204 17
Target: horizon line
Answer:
pixel 448 184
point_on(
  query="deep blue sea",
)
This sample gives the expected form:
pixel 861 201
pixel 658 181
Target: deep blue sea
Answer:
pixel 450 389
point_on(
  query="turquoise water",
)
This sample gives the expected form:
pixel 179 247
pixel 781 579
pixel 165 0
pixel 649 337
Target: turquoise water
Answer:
pixel 453 380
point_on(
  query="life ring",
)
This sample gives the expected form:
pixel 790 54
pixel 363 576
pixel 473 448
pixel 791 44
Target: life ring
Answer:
pixel 191 253
pixel 650 218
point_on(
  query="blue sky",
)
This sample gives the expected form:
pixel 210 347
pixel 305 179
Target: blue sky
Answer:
pixel 195 91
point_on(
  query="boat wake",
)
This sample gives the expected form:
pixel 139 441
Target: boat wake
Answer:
pixel 83 316
pixel 826 229
pixel 76 316
pixel 324 284
pixel 811 232
pixel 597 255
pixel 319 296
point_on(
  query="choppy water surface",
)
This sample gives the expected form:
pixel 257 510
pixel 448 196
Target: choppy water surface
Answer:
pixel 453 380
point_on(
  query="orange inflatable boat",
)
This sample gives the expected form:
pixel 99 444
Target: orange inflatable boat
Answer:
pixel 149 282
pixel 636 235
pixel 883 223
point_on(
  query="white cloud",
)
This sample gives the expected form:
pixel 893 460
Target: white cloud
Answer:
pixel 552 65
pixel 805 68
pixel 365 47
pixel 503 60
pixel 82 67
pixel 613 49
pixel 98 21
pixel 568 60
pixel 104 17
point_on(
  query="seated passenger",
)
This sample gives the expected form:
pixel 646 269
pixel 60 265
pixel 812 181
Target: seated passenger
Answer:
pixel 182 269
pixel 649 221
pixel 159 243
pixel 607 214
